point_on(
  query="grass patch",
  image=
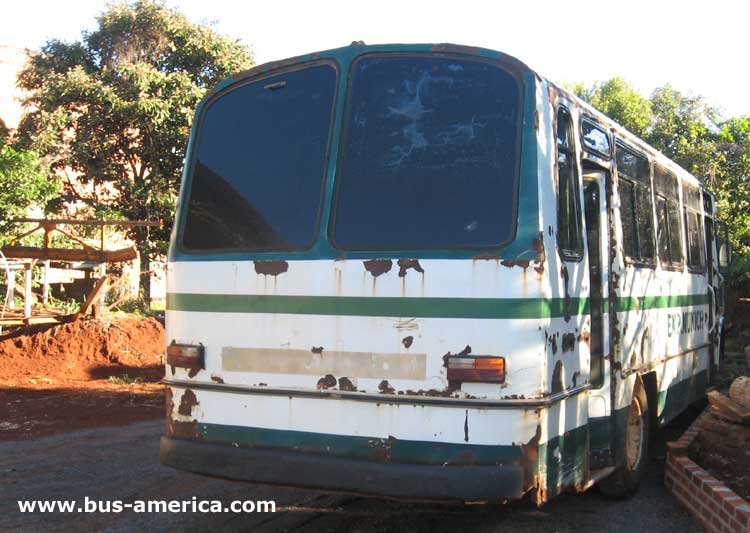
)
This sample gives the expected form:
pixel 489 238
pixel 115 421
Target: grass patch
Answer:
pixel 124 379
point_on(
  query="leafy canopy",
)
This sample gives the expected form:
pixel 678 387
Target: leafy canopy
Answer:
pixel 694 135
pixel 24 182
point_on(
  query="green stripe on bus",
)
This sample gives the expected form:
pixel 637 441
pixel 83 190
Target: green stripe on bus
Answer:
pixel 635 303
pixel 492 308
pixel 369 306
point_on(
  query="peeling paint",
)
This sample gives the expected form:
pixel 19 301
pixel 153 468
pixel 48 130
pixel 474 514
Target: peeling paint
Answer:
pixel 187 402
pixel 557 384
pixel 405 264
pixel 376 267
pixel 407 341
pixel 385 387
pixel 271 268
pixel 345 384
pixel 216 379
pixel 568 342
pixel 326 382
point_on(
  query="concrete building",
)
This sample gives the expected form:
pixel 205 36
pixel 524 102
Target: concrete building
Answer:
pixel 12 60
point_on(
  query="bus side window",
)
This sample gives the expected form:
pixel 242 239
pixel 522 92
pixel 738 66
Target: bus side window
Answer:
pixel 636 205
pixel 569 235
pixel 693 228
pixel 669 236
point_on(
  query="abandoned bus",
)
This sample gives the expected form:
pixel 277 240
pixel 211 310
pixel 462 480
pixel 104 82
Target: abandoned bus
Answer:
pixel 426 272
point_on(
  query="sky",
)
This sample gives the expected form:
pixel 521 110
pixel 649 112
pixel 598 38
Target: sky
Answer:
pixel 700 48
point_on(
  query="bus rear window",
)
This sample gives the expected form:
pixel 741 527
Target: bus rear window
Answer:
pixel 259 164
pixel 430 156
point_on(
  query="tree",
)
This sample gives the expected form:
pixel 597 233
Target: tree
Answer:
pixel 691 133
pixel 732 181
pixel 683 128
pixel 617 99
pixel 24 182
pixel 113 111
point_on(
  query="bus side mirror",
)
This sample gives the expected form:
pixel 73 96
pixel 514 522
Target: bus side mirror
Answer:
pixel 724 248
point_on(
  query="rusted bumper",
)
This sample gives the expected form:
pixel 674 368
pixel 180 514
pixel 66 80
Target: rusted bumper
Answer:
pixel 294 469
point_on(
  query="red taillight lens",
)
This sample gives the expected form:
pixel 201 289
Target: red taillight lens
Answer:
pixel 482 369
pixel 185 355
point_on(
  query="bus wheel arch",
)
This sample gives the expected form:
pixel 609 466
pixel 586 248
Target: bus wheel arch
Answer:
pixel 624 481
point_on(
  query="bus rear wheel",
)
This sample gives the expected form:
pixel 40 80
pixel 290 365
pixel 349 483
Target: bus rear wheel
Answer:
pixel 625 480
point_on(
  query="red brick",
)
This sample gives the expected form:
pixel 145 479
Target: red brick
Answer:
pixel 743 513
pixel 737 526
pixel 731 503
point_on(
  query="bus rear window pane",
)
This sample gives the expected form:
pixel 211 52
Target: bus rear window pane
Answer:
pixel 430 155
pixel 259 164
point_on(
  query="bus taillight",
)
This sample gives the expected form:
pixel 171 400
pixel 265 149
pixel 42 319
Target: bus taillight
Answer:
pixel 185 356
pixel 480 368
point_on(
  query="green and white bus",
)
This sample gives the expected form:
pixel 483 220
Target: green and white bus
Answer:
pixel 426 272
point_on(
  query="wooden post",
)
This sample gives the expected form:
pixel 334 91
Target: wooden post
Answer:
pixel 27 291
pixel 101 304
pixel 45 282
pixel 12 288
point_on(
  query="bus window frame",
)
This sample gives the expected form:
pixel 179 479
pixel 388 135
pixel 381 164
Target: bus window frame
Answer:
pixel 574 256
pixel 193 146
pixel 673 266
pixel 639 262
pixel 699 212
pixel 511 69
pixel 586 148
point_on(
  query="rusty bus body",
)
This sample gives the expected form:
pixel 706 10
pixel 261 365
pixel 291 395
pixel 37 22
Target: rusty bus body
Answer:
pixel 356 330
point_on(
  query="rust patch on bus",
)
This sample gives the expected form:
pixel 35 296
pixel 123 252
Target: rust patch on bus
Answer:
pixel 187 402
pixel 193 372
pixel 345 384
pixel 538 245
pixel 557 378
pixel 326 382
pixel 567 304
pixel 405 264
pixel 510 263
pixel 377 267
pixel 568 342
pixel 529 457
pixel 385 388
pixel 271 268
pixel 317 349
pixel 407 341
pixel 217 379
pixel 487 257
pixel 381 448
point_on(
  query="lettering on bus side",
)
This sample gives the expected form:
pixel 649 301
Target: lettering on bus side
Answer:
pixel 685 322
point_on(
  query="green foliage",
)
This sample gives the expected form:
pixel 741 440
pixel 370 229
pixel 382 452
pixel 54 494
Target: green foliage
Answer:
pixel 24 182
pixel 617 99
pixel 693 134
pixel 124 379
pixel 116 109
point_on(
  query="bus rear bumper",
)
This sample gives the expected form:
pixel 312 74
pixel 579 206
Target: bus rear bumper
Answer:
pixel 306 470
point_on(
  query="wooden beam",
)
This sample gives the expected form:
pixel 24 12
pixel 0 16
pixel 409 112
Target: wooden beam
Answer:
pixel 94 295
pixel 121 223
pixel 71 255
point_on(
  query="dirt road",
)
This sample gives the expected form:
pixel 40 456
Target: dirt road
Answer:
pixel 121 463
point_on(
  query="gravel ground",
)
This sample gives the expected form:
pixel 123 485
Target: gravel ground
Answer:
pixel 121 463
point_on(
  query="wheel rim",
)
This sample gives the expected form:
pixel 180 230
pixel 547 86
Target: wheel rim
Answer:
pixel 634 443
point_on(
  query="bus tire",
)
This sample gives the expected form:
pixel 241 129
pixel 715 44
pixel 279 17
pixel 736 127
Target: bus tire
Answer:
pixel 624 481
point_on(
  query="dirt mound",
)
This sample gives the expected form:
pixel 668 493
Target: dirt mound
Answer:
pixel 84 350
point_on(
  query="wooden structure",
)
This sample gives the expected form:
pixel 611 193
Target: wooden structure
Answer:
pixel 15 258
pixel 87 252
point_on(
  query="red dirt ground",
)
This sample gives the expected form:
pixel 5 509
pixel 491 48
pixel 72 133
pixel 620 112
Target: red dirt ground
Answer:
pixel 88 373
